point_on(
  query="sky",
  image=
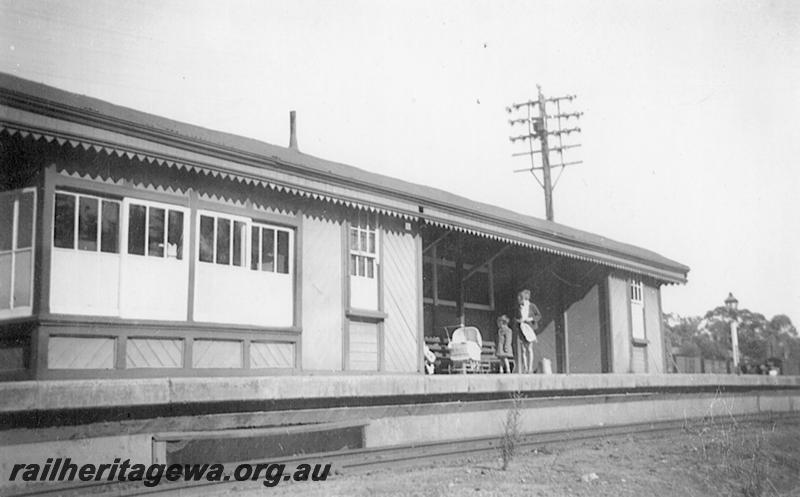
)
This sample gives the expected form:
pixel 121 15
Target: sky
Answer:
pixel 690 138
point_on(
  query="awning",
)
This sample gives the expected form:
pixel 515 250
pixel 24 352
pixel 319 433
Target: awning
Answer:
pixel 100 141
pixel 500 233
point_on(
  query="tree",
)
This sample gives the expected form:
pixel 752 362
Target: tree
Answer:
pixel 681 333
pixel 752 333
pixel 760 340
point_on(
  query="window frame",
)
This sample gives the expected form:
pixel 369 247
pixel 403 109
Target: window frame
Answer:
pixel 76 221
pixel 246 248
pixel 23 310
pixel 371 226
pixel 127 202
pixel 276 229
pixel 636 291
pixel 636 305
pixel 233 218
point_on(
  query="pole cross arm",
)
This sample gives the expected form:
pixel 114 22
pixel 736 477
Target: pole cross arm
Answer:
pixel 518 106
pixel 565 97
pixel 566 115
pixel 523 137
pixel 564 131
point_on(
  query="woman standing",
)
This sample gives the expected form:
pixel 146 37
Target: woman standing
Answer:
pixel 526 322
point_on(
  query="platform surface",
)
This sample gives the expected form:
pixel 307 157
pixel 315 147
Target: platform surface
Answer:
pixel 103 393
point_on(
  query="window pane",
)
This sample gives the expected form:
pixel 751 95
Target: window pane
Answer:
pixel 363 241
pixel 283 252
pixel 109 231
pixel 353 265
pixel 175 235
pixel 136 227
pixel 22 279
pixel 371 248
pixel 370 267
pixel 267 250
pixel 155 246
pixel 361 270
pixel 6 221
pixel 24 221
pixel 223 241
pixel 206 239
pixel 255 247
pixel 5 280
pixel 87 223
pixel 353 239
pixel 238 246
pixel 64 222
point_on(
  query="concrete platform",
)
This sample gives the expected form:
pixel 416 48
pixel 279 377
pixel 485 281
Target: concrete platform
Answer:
pixel 99 420
pixel 29 396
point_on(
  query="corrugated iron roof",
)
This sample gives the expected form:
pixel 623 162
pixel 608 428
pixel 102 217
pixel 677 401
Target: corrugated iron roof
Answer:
pixel 453 210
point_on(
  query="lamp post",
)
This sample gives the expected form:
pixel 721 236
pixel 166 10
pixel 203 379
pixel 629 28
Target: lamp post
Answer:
pixel 732 305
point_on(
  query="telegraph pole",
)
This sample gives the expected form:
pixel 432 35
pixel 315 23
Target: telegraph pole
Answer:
pixel 542 132
pixel 539 129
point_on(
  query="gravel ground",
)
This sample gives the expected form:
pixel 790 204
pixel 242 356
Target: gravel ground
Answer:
pixel 704 459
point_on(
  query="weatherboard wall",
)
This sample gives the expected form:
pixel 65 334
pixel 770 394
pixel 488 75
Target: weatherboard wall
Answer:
pixel 322 292
pixel 653 330
pixel 401 298
pixel 619 319
pixel 582 325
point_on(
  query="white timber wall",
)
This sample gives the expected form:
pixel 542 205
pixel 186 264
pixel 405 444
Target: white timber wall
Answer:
pixel 402 298
pixel 85 283
pixel 653 331
pixel 323 313
pixel 238 295
pixel 620 324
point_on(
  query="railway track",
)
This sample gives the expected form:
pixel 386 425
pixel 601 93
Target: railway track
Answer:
pixel 375 459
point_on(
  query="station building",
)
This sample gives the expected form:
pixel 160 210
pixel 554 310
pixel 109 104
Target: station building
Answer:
pixel 135 246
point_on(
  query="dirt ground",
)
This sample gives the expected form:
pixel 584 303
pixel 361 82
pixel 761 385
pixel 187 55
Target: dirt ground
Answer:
pixel 703 459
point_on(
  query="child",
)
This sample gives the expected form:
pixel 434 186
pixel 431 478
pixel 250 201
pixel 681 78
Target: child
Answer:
pixel 527 320
pixel 505 343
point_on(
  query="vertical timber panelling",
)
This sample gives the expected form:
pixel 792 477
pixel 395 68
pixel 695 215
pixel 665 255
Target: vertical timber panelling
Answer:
pixel 620 325
pixel 652 328
pixel 322 293
pixel 583 334
pixel 363 345
pixel 401 297
pixel 639 360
